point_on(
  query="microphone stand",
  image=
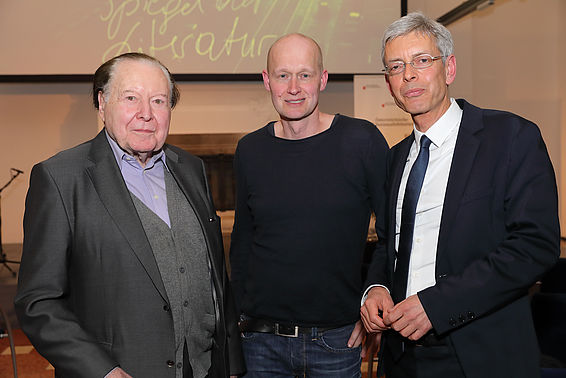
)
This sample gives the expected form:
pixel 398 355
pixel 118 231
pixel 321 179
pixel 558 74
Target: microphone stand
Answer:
pixel 3 260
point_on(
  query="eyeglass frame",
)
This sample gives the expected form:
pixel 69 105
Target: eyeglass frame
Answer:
pixel 412 63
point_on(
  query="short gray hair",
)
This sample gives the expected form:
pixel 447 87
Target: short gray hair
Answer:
pixel 421 24
pixel 105 73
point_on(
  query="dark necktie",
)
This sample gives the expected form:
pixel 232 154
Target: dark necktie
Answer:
pixel 412 192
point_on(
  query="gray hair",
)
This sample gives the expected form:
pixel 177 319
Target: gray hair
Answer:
pixel 421 24
pixel 105 73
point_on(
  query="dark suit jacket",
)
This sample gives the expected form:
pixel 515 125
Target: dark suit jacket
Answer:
pixel 90 295
pixel 499 233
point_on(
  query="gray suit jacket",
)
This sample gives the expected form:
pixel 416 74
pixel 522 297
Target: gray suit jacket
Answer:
pixel 90 296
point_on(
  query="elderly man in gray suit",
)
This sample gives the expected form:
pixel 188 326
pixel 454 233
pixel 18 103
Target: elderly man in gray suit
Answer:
pixel 123 268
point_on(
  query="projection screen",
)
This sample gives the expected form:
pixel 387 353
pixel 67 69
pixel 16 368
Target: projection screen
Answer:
pixel 73 37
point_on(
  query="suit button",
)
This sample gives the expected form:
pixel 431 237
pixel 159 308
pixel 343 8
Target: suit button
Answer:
pixel 211 219
pixel 170 363
pixel 471 315
pixel 166 308
pixel 452 322
pixel 462 318
pixel 179 365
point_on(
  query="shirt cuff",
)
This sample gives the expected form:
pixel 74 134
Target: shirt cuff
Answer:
pixel 365 296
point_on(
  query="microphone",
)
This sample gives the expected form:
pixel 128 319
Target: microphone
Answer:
pixel 17 170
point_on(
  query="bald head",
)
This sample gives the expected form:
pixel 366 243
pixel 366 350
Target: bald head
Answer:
pixel 295 77
pixel 291 42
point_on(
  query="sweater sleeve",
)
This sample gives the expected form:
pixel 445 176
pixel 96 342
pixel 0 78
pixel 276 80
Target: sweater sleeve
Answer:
pixel 375 165
pixel 242 233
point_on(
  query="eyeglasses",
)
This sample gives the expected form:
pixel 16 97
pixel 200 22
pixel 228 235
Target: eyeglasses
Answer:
pixel 419 62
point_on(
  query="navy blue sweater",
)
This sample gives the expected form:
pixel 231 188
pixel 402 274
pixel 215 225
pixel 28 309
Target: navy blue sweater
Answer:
pixel 302 216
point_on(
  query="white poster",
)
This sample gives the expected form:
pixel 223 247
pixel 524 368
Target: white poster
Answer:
pixel 372 101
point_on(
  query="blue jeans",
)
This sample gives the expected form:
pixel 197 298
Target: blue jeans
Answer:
pixel 321 354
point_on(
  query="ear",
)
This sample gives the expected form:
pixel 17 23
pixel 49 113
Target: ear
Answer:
pixel 101 106
pixel 265 76
pixel 323 80
pixel 450 69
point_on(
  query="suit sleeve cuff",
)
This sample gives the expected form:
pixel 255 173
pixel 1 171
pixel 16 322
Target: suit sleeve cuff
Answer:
pixel 110 372
pixel 365 296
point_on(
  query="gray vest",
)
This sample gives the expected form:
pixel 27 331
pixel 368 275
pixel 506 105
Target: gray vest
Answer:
pixel 182 259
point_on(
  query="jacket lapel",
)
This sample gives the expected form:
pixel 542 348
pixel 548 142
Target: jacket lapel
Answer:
pixel 114 194
pixel 191 185
pixel 194 187
pixel 400 153
pixel 467 145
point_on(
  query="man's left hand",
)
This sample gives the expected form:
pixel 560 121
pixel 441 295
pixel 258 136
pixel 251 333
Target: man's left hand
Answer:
pixel 409 318
pixel 357 337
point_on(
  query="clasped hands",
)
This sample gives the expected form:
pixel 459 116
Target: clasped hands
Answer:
pixel 408 317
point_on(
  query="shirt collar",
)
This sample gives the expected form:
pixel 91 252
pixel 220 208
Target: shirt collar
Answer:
pixel 120 155
pixel 442 128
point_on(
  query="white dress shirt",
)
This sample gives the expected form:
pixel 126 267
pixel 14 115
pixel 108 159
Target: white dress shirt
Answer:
pixel 443 134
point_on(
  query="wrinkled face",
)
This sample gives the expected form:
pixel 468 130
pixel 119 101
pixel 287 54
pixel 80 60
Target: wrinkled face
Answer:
pixel 136 112
pixel 421 92
pixel 294 78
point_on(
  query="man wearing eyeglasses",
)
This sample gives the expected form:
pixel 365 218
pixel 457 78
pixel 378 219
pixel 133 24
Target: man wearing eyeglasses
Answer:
pixel 472 203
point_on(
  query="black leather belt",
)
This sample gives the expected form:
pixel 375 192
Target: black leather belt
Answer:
pixel 279 329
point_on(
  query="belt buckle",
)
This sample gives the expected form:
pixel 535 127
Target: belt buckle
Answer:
pixel 278 331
